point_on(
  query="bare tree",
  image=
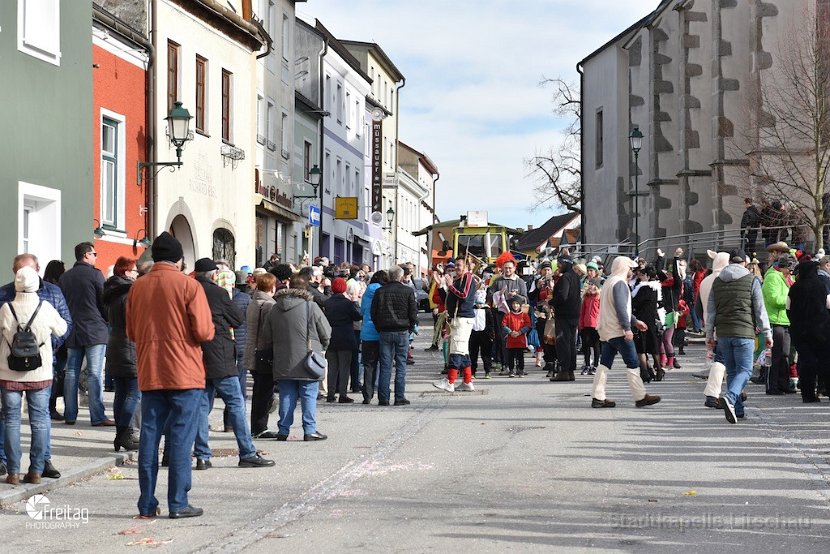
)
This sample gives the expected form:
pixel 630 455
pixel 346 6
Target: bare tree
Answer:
pixel 789 146
pixel 557 171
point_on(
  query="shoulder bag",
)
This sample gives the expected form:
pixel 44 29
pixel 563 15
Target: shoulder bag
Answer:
pixel 315 363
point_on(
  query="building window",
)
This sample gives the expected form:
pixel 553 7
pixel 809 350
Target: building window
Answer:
pixel 307 161
pixel 272 18
pixel 172 74
pixel 326 93
pixel 348 184
pixel 286 38
pixel 325 166
pixel 39 220
pixel 339 103
pixel 201 93
pixel 338 177
pixel 269 126
pixel 227 89
pixel 599 137
pixel 284 136
pixel 39 29
pixel 348 110
pixel 109 172
pixel 357 125
pixel 260 137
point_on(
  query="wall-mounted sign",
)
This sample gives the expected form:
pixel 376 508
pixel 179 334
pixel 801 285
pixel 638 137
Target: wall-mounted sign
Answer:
pixel 345 207
pixel 377 166
pixel 314 215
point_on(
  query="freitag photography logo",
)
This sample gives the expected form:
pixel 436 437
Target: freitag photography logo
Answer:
pixel 43 515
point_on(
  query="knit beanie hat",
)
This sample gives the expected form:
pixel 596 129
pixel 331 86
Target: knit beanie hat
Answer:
pixel 26 280
pixel 166 248
pixel 338 286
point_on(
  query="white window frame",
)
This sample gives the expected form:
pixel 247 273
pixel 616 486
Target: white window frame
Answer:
pixel 269 124
pixel 44 207
pixel 286 37
pixel 284 135
pixel 48 46
pixel 120 173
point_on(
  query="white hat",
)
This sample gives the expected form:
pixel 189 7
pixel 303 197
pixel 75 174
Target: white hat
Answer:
pixel 26 280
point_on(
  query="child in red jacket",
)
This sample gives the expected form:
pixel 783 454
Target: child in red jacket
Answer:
pixel 680 332
pixel 516 326
pixel 588 322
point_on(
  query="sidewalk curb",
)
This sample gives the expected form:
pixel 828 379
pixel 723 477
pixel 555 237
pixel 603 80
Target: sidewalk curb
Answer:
pixel 25 490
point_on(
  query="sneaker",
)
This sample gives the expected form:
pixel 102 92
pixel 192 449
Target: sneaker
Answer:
pixel 585 370
pixel 256 461
pixel 729 410
pixel 592 371
pixel 466 387
pixel 444 384
pixel 486 375
pixel 503 372
pixel 511 374
pixel 602 403
pixel 712 402
pixel 647 400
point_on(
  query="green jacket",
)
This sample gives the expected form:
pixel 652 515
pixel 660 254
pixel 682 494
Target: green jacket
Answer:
pixel 775 291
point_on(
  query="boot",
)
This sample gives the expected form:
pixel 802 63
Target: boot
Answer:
pixel 762 376
pixel 563 376
pixel 549 367
pixel 53 410
pixel 124 439
pixel 673 363
pixel 660 374
pixel 571 376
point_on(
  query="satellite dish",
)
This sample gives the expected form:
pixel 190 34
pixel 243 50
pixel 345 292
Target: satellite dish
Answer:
pixel 377 114
pixel 376 217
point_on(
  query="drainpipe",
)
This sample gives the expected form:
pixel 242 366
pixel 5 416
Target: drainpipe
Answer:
pixel 581 160
pixel 152 193
pixel 323 169
pixel 434 214
pixel 395 167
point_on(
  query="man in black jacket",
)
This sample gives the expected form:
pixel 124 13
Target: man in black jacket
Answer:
pixel 221 374
pixel 82 287
pixel 750 222
pixel 566 302
pixel 395 315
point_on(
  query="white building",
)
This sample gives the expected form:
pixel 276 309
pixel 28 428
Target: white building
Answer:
pixel 278 220
pixel 415 205
pixel 205 56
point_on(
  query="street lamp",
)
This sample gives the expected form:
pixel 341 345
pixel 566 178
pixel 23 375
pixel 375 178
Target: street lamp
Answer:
pixel 178 129
pixel 314 178
pixel 636 140
pixel 390 215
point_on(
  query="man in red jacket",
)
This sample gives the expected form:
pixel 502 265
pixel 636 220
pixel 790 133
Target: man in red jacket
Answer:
pixel 168 318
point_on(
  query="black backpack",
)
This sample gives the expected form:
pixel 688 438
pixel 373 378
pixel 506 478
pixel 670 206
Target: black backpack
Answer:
pixel 24 352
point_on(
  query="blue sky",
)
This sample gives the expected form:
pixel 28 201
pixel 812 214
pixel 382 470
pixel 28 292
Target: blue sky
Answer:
pixel 472 99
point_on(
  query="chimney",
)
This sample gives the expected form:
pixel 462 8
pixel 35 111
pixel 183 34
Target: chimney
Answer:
pixel 247 10
pixel 530 227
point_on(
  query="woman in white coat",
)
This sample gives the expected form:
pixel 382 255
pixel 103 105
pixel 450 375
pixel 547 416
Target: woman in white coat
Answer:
pixel 36 383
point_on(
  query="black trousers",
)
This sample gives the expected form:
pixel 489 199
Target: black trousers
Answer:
pixel 778 376
pixel 500 350
pixel 263 391
pixel 480 342
pixel 371 354
pixel 516 359
pixel 566 342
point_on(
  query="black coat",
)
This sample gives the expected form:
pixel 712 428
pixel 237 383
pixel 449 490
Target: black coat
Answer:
pixel 219 354
pixel 341 313
pixel 566 299
pixel 82 287
pixel 394 308
pixel 808 315
pixel 120 349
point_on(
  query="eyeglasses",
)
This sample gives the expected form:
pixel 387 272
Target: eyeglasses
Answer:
pixel 93 253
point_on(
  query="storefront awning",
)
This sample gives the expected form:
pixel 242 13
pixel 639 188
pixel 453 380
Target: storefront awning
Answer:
pixel 277 210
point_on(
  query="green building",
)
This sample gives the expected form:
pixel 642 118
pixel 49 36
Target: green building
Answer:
pixel 46 124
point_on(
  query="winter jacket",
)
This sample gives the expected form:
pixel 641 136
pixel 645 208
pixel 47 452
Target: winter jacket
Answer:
pixel 751 219
pixel 808 314
pixel 516 322
pixel 219 353
pixel 168 317
pixel 672 283
pixel 341 313
pixel 734 310
pixel 615 316
pixel 589 312
pixel 394 308
pixel 241 299
pixel 506 287
pixel 320 297
pixel 775 291
pixel 566 296
pixel 47 322
pixel 120 350
pixel 461 297
pixel 255 316
pixel 82 287
pixel 368 332
pixel 47 292
pixel 287 327
pixel 484 321
pixel 720 261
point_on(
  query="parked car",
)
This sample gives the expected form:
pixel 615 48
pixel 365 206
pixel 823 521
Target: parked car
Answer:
pixel 421 294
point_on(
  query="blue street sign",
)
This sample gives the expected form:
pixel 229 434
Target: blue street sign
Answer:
pixel 314 215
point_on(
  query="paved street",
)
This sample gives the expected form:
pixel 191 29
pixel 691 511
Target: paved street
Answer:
pixel 521 464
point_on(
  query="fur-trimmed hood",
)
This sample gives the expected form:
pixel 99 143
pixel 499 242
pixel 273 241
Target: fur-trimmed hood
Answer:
pixel 288 299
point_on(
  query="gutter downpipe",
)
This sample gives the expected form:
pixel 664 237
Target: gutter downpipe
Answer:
pixel 152 193
pixel 320 153
pixel 581 160
pixel 397 138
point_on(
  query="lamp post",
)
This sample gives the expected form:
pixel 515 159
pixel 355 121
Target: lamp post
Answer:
pixel 636 140
pixel 314 178
pixel 178 128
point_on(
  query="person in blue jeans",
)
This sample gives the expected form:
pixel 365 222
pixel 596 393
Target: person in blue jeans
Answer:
pixel 394 312
pixel 168 318
pixel 736 313
pixel 83 286
pixel 39 317
pixel 222 377
pixel 614 327
pixel 48 292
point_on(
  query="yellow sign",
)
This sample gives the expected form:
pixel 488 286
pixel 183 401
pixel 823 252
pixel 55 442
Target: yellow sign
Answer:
pixel 345 207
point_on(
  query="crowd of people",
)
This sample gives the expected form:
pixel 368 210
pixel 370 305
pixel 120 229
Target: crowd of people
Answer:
pixel 325 331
